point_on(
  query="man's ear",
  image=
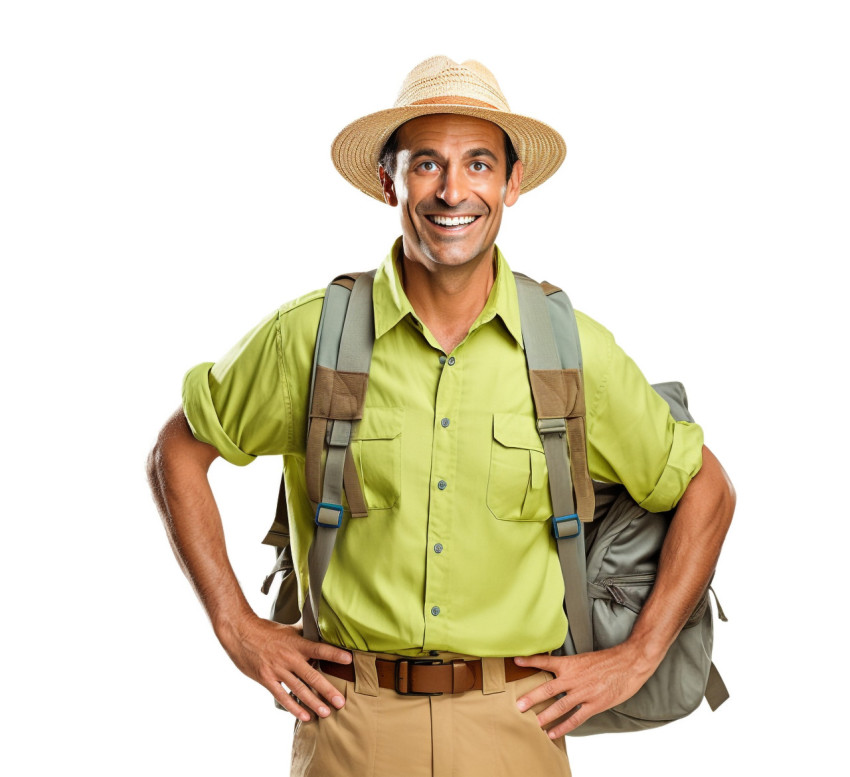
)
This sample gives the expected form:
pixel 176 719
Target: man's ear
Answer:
pixel 388 186
pixel 514 182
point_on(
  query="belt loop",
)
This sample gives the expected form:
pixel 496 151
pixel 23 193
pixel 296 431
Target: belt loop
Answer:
pixel 493 675
pixel 365 674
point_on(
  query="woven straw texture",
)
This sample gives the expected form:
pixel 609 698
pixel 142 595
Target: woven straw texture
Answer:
pixel 440 85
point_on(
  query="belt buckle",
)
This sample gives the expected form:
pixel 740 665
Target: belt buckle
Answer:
pixel 405 675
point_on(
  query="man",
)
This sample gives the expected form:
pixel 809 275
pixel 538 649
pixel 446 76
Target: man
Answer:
pixel 454 560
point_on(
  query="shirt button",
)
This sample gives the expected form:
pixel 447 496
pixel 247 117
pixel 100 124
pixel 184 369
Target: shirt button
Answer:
pixel 442 485
pixel 451 360
pixel 438 548
pixel 435 611
pixel 442 359
pixel 445 422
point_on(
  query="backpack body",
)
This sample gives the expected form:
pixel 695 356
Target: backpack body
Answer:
pixel 623 545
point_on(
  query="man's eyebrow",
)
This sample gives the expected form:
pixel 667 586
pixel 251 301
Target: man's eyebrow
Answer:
pixel 481 152
pixel 423 152
pixel 473 152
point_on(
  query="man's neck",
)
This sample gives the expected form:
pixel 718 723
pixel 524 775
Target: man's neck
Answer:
pixel 448 299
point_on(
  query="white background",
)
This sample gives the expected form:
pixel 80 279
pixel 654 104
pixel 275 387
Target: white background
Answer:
pixel 165 182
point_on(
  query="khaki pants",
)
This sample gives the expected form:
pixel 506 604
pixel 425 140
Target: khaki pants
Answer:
pixel 379 733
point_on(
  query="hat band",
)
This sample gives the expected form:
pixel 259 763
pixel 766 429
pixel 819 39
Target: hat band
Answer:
pixel 451 100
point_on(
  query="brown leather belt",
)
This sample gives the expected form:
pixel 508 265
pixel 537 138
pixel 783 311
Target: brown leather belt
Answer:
pixel 428 676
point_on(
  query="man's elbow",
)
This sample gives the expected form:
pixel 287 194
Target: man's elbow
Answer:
pixel 719 486
pixel 176 450
pixel 155 464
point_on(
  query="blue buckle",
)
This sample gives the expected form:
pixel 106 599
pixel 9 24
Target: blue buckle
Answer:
pixel 559 533
pixel 329 524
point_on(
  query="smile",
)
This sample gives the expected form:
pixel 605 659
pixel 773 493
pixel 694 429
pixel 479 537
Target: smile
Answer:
pixel 451 221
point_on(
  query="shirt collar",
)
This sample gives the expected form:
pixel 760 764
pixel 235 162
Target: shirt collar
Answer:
pixel 392 305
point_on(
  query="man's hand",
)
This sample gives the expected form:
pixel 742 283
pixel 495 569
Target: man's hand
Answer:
pixel 278 658
pixel 592 682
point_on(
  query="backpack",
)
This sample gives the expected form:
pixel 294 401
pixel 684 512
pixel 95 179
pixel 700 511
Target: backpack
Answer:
pixel 608 546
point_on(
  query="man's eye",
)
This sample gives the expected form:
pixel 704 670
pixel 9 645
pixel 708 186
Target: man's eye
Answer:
pixel 428 166
pixel 479 167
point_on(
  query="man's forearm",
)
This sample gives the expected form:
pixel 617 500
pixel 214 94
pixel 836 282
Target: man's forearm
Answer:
pixel 274 655
pixel 177 471
pixel 688 559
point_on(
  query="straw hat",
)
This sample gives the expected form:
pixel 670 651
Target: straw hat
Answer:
pixel 440 85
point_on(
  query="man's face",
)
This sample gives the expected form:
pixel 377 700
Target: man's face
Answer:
pixel 450 186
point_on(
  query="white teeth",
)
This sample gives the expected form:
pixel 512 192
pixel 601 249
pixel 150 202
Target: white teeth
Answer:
pixel 456 221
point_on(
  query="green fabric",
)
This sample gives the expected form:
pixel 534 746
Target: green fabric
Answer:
pixel 497 580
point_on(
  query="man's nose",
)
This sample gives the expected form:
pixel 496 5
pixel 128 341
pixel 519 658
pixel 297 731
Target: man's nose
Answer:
pixel 453 189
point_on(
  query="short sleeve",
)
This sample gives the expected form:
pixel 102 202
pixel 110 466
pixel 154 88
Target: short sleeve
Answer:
pixel 631 437
pixel 240 405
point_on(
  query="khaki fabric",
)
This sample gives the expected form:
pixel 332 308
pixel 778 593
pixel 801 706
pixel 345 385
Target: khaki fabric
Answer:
pixel 474 734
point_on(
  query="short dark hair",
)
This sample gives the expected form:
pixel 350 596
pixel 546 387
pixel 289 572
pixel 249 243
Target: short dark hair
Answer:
pixel 389 154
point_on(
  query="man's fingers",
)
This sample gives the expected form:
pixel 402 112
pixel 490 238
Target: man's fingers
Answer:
pixel 319 683
pixel 326 652
pixel 547 690
pixel 540 660
pixel 579 715
pixel 286 701
pixel 306 695
pixel 568 704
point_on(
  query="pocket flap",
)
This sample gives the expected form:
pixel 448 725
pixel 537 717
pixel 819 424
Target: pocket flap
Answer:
pixel 380 423
pixel 516 431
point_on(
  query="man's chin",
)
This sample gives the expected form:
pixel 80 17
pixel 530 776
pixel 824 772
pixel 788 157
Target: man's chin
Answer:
pixel 446 257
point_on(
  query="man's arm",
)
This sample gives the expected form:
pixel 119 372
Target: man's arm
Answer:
pixel 602 679
pixel 270 653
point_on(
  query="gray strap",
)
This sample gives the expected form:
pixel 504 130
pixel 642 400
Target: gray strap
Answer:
pixel 542 353
pixel 538 339
pixel 283 561
pixel 715 689
pixel 355 336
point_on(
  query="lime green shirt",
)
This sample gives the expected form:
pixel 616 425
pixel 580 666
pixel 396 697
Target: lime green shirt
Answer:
pixel 456 552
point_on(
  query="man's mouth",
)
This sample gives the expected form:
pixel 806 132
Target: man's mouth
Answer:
pixel 451 221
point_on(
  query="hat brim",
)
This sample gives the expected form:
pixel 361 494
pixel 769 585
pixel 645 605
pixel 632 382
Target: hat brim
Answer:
pixel 356 150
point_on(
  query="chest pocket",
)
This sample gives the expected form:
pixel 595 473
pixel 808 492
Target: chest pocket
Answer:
pixel 376 448
pixel 518 486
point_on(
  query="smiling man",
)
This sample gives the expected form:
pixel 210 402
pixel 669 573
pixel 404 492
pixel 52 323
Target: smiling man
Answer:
pixel 453 564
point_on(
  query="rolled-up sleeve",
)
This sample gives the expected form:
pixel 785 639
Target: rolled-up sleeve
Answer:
pixel 632 438
pixel 240 404
pixel 683 463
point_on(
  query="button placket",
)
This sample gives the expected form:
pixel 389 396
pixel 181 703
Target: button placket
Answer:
pixel 442 506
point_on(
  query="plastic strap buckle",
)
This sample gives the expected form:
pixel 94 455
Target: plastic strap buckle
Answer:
pixel 328 516
pixel 561 526
pixel 552 426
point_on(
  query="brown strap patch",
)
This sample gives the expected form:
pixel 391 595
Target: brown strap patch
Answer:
pixel 346 279
pixel 339 395
pixel 557 393
pixel 582 484
pixel 549 288
pixel 353 490
pixel 313 459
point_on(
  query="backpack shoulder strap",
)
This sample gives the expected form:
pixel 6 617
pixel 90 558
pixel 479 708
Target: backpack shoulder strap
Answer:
pixel 338 394
pixel 554 372
pixel 341 360
pixel 328 336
